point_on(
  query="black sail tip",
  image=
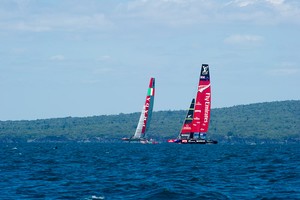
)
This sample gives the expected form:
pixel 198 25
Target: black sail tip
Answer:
pixel 204 72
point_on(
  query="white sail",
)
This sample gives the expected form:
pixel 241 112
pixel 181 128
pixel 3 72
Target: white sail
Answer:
pixel 139 128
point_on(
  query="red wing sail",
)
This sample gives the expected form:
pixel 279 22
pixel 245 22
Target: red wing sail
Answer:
pixel 201 118
pixel 149 105
pixel 187 125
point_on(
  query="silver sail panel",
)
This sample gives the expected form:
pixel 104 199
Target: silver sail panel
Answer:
pixel 138 132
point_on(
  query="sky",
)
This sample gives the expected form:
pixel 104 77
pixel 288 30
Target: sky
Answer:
pixel 83 58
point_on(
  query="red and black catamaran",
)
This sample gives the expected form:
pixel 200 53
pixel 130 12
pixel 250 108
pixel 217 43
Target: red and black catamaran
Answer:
pixel 197 120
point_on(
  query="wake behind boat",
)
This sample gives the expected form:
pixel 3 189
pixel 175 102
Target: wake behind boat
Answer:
pixel 145 118
pixel 140 140
pixel 196 122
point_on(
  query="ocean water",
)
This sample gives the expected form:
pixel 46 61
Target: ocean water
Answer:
pixel 137 171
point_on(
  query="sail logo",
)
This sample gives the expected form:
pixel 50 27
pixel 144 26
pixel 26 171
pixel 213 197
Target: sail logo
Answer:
pixel 204 70
pixel 186 128
pixel 198 103
pixel 201 89
pixel 147 102
pixel 150 91
pixel 206 107
pixel 146 108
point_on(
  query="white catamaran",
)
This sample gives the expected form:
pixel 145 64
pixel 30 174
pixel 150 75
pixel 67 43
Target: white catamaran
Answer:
pixel 145 118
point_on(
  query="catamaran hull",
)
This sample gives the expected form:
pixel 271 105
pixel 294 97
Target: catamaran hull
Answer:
pixel 140 140
pixel 192 141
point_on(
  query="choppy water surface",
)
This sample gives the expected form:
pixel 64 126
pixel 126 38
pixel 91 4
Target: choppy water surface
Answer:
pixel 137 171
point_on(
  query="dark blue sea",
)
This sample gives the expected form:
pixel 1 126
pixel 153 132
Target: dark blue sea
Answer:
pixel 138 171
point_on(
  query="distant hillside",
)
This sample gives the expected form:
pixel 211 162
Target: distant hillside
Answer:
pixel 260 122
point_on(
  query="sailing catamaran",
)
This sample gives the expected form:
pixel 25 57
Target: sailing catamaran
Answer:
pixel 197 120
pixel 145 118
pixel 187 124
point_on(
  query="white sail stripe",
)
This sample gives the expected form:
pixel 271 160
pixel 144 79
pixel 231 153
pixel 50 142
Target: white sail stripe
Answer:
pixel 204 88
pixel 139 128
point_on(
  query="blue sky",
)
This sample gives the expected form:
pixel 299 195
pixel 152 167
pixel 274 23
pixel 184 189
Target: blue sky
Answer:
pixel 80 58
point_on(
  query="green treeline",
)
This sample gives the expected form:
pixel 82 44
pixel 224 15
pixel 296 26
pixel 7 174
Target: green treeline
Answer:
pixel 260 122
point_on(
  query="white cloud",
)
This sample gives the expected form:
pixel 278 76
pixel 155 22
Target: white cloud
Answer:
pixel 276 2
pixel 264 11
pixel 59 22
pixel 245 3
pixel 19 50
pixel 57 58
pixel 180 13
pixel 286 12
pixel 95 21
pixel 171 12
pixel 242 3
pixel 284 71
pixel 41 16
pixel 104 58
pixel 243 39
pixel 38 16
pixel 28 26
pixel 103 70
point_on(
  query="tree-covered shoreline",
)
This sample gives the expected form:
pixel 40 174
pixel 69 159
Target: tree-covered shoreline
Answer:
pixel 268 122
